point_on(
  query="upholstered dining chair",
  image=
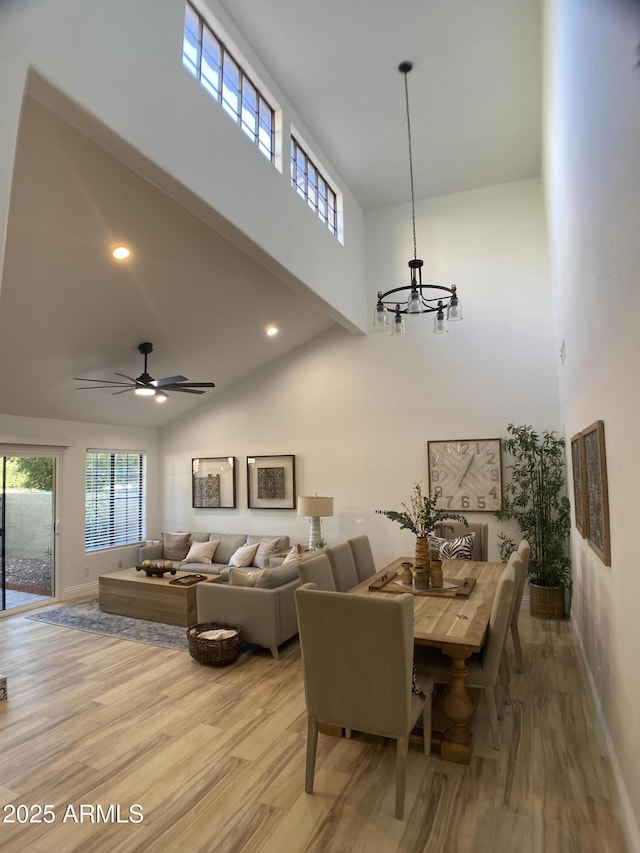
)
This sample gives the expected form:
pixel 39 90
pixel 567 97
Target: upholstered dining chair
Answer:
pixel 362 557
pixel 357 663
pixel 484 669
pixel 317 570
pixel 343 566
pixel 524 552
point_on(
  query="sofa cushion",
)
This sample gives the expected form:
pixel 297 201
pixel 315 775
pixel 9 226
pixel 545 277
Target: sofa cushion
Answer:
pixel 291 556
pixel 175 546
pixel 199 537
pixel 278 576
pixel 229 544
pixel 243 556
pixel 266 547
pixel 238 577
pixel 201 552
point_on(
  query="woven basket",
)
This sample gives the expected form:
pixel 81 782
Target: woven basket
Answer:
pixel 546 602
pixel 213 652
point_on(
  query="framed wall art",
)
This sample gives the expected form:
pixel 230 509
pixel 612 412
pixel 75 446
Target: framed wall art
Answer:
pixel 271 482
pixel 596 491
pixel 579 492
pixel 213 482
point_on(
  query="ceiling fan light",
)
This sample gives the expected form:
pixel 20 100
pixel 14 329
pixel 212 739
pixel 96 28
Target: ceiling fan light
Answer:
pixel 161 397
pixel 144 391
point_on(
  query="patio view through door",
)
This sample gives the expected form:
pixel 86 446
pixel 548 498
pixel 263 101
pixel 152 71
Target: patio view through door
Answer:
pixel 27 527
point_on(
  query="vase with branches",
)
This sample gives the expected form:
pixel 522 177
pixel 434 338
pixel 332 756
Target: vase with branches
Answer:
pixel 535 498
pixel 421 518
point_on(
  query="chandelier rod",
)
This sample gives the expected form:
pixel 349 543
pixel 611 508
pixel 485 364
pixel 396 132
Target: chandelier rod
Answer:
pixel 405 68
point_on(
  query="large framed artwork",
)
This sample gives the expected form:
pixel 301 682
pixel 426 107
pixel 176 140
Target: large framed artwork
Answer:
pixel 596 491
pixel 579 491
pixel 213 482
pixel 271 482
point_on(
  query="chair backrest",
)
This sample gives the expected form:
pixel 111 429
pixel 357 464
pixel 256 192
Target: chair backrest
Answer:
pixel 317 570
pixel 523 552
pixel 362 556
pixel 343 566
pixel 499 621
pixel 454 529
pixel 357 659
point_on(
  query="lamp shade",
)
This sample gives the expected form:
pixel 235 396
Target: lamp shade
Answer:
pixel 315 507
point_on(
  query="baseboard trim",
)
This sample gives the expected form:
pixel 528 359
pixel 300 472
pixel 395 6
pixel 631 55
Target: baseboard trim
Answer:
pixel 626 811
pixel 79 591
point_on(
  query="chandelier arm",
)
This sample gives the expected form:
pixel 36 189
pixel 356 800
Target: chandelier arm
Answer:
pixel 420 288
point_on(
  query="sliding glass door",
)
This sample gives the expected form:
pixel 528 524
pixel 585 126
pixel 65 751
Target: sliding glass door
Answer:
pixel 27 527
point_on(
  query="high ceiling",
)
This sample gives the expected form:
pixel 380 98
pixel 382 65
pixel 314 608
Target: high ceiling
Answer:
pixel 66 309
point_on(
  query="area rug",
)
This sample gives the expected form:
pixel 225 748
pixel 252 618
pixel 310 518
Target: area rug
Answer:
pixel 86 616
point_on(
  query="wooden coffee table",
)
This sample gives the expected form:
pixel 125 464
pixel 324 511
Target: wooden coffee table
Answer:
pixel 132 593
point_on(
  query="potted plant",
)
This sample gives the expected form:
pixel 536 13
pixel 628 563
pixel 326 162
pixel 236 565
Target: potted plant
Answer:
pixel 535 498
pixel 421 519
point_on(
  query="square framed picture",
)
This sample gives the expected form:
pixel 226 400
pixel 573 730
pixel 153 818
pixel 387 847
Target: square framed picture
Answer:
pixel 213 482
pixel 596 490
pixel 579 493
pixel 271 482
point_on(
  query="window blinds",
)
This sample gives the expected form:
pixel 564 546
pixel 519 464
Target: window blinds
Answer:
pixel 115 499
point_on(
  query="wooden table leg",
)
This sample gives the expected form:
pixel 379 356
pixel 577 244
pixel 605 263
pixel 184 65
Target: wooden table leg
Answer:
pixel 457 744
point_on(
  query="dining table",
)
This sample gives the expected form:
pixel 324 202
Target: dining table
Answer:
pixel 455 620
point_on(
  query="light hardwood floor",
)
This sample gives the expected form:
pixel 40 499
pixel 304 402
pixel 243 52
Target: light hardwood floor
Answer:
pixel 215 757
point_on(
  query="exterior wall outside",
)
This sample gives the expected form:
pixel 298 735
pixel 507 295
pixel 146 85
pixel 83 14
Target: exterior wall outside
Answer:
pixel 358 411
pixel 593 197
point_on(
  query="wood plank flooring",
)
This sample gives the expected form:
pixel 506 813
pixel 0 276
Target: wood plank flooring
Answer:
pixel 215 758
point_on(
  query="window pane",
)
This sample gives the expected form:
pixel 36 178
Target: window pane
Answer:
pixel 230 86
pixel 265 130
pixel 249 108
pixel 191 41
pixel 211 54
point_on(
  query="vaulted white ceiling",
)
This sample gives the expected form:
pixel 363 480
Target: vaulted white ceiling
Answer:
pixel 67 310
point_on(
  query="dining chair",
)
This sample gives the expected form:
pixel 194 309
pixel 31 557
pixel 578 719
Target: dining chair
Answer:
pixel 484 669
pixel 362 557
pixel 357 664
pixel 524 552
pixel 343 566
pixel 317 570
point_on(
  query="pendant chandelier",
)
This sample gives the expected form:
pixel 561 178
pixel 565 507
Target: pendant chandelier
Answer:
pixel 416 298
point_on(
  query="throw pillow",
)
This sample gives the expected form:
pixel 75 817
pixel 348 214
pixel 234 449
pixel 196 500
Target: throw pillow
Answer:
pixel 458 549
pixel 238 578
pixel 243 556
pixel 266 547
pixel 175 546
pixel 202 552
pixel 292 555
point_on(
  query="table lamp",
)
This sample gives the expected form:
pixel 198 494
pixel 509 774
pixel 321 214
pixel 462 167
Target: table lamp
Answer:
pixel 315 508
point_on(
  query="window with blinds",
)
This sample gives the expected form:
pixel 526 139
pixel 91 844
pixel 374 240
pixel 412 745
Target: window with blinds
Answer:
pixel 115 499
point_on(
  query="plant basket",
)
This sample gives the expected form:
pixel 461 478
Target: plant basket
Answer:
pixel 213 652
pixel 546 602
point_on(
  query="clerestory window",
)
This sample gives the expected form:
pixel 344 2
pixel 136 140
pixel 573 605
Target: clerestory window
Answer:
pixel 207 58
pixel 311 185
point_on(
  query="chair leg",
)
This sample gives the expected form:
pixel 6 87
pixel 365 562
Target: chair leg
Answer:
pixel 402 750
pixel 312 746
pixel 426 725
pixel 493 716
pixel 517 648
pixel 503 674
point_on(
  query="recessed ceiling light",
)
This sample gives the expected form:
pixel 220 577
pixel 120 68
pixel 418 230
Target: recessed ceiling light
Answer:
pixel 272 330
pixel 121 253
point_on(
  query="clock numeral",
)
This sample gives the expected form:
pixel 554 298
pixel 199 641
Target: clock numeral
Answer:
pixel 494 493
pixel 435 475
pixel 494 475
pixel 491 457
pixel 482 501
pixel 437 492
pixel 464 502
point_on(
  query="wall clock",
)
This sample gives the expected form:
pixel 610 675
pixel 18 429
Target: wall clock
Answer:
pixel 466 475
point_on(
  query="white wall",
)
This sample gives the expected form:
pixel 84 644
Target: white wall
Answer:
pixel 118 67
pixel 357 411
pixel 76 571
pixel 593 166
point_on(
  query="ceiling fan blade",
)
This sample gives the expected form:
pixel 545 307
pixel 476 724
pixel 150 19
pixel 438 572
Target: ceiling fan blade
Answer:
pixel 123 391
pixel 130 378
pixel 102 387
pixel 101 381
pixel 173 388
pixel 168 380
pixel 197 384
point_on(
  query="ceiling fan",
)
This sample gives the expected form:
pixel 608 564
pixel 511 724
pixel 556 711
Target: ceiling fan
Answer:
pixel 145 385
